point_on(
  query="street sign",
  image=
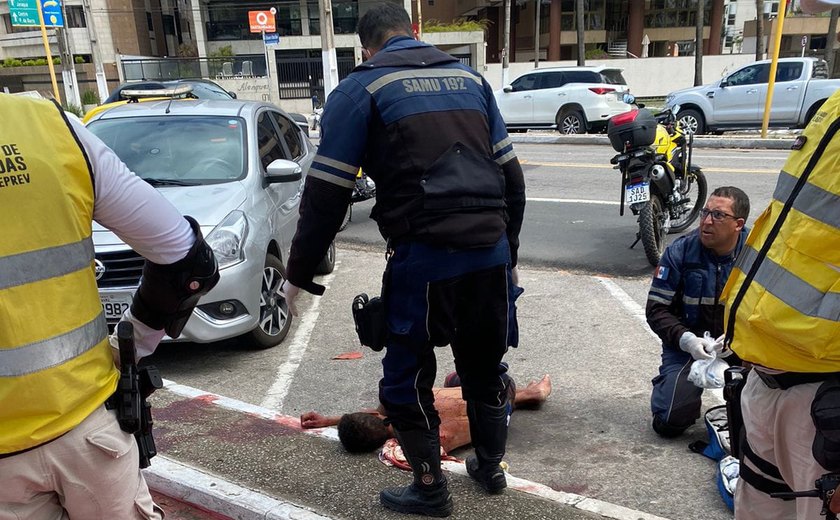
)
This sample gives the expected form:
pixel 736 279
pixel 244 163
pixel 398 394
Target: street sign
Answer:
pixel 804 40
pixel 271 38
pixel 261 21
pixel 24 13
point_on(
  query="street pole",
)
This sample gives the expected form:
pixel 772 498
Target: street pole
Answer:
pixel 96 54
pixel 68 69
pixel 506 49
pixel 773 65
pixel 537 35
pixel 328 57
pixel 831 44
pixel 419 20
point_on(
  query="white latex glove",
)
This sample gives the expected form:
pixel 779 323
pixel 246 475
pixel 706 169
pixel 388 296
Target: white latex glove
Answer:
pixel 290 292
pixel 708 373
pixel 720 348
pixel 697 347
pixel 146 339
pixel 514 275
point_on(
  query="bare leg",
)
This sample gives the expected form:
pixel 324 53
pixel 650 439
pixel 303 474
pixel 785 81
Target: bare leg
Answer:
pixel 533 395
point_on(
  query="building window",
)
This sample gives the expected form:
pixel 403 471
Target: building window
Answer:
pixel 74 16
pixel 149 22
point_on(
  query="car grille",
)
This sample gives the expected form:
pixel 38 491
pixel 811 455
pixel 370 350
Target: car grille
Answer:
pixel 122 269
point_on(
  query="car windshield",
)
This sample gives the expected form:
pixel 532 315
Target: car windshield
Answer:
pixel 178 150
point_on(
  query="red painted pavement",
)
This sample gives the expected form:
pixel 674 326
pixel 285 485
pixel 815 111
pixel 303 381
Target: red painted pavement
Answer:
pixel 177 510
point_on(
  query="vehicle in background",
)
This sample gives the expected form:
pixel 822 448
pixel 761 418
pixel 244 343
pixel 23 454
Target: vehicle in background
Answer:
pixel 301 121
pixel 737 100
pixel 573 100
pixel 238 168
pixel 157 90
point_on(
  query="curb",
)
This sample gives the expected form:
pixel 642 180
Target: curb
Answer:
pixel 193 486
pixel 699 142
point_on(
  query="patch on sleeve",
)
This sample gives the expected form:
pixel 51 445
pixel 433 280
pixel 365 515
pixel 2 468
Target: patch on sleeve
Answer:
pixel 661 273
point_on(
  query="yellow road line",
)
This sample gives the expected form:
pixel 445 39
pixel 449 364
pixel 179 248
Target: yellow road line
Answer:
pixel 609 166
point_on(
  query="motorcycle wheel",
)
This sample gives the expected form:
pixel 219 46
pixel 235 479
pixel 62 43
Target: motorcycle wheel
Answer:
pixel 697 188
pixel 652 229
pixel 347 217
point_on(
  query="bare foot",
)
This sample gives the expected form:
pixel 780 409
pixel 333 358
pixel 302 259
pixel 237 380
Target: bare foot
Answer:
pixel 534 394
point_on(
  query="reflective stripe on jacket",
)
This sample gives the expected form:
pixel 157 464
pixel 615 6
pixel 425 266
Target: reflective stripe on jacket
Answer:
pixel 783 298
pixel 55 362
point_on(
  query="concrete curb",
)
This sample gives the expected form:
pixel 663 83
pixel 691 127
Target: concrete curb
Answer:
pixel 217 495
pixel 780 143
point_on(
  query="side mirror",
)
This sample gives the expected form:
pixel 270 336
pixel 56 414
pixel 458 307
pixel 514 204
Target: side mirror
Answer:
pixel 724 83
pixel 507 88
pixel 232 94
pixel 281 170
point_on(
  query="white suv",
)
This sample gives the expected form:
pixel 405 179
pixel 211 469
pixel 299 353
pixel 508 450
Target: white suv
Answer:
pixel 574 100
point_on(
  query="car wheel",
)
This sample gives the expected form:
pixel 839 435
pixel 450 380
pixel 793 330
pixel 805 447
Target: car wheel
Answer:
pixel 328 263
pixel 691 121
pixel 571 122
pixel 274 319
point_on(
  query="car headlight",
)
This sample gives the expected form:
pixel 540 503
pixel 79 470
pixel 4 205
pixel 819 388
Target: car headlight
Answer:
pixel 228 239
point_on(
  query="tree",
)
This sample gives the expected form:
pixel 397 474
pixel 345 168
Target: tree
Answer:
pixel 759 30
pixel 579 25
pixel 831 44
pixel 698 43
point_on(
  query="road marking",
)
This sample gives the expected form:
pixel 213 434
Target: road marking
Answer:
pixel 636 310
pixel 276 394
pixel 608 166
pixel 573 201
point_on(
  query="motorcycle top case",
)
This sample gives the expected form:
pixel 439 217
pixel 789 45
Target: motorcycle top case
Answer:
pixel 632 129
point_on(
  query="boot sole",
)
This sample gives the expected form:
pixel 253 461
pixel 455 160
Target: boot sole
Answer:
pixel 417 509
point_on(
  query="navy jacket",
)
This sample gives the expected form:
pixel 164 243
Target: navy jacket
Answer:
pixel 686 287
pixel 427 130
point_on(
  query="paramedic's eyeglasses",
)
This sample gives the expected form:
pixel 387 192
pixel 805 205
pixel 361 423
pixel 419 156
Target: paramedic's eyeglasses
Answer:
pixel 717 215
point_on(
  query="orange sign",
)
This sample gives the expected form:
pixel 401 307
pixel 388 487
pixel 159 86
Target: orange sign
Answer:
pixel 261 21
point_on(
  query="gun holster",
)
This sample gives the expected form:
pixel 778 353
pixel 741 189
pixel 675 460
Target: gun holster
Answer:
pixel 734 379
pixel 371 325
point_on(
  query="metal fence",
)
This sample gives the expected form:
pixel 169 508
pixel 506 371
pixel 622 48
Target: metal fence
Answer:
pixel 303 77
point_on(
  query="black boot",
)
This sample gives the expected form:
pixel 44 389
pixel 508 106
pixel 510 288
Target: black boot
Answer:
pixel 488 429
pixel 428 494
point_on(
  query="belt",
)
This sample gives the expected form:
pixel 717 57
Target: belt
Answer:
pixel 787 380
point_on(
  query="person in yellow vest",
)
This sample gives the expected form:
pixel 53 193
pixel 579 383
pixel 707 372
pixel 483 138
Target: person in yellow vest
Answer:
pixel 62 452
pixel 783 317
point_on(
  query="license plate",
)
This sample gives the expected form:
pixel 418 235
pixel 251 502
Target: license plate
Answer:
pixel 115 305
pixel 637 193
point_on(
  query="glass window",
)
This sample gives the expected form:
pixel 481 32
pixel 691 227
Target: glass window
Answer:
pixel 75 16
pixel 178 149
pixel 527 82
pixel 582 76
pixel 750 75
pixel 612 77
pixel 789 71
pixel 551 80
pixel 291 134
pixel 270 144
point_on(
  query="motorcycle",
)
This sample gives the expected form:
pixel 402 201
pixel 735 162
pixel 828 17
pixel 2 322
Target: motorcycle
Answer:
pixel 363 190
pixel 658 181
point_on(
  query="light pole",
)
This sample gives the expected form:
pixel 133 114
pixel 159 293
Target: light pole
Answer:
pixel 328 57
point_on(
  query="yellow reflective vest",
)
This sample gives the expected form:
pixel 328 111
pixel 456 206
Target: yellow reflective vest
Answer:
pixel 783 297
pixel 55 362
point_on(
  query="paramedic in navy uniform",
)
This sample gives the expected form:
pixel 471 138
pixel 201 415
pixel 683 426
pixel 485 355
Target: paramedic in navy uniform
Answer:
pixel 450 198
pixel 683 303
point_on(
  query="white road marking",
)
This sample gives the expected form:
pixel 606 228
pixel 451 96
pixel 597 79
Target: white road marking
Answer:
pixel 638 312
pixel 276 394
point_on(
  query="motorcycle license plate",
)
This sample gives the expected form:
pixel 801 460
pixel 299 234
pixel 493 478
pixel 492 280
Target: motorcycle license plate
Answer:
pixel 114 305
pixel 637 193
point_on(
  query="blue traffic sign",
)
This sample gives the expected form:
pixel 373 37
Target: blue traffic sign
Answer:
pixel 271 38
pixel 24 13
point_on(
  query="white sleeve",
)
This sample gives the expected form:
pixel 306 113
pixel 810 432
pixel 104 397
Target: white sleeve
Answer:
pixel 131 208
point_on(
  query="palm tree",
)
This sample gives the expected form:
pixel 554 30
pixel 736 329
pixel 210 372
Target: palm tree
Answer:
pixel 698 43
pixel 581 61
pixel 759 30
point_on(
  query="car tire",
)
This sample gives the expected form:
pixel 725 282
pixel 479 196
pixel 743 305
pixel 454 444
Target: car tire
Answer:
pixel 693 120
pixel 327 264
pixel 571 122
pixel 275 320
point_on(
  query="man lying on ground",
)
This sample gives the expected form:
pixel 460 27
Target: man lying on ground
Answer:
pixel 365 431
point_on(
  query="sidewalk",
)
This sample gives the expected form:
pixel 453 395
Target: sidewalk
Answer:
pixel 225 459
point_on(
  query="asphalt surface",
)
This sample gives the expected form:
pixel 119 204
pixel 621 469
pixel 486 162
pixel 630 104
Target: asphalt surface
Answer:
pixel 244 461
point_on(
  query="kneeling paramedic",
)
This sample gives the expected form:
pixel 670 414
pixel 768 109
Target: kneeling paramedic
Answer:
pixel 62 452
pixel 450 199
pixel 783 317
